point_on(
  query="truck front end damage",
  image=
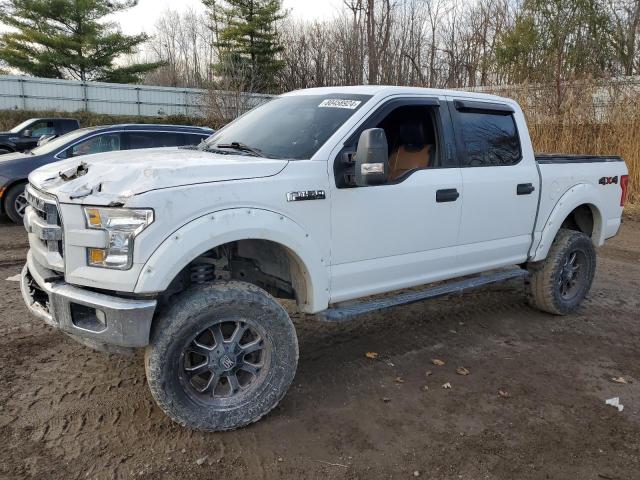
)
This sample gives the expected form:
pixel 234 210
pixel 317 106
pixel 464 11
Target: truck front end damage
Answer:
pixel 93 224
pixel 89 315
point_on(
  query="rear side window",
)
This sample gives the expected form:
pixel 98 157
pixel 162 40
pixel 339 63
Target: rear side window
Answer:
pixel 193 139
pixel 488 139
pixel 138 140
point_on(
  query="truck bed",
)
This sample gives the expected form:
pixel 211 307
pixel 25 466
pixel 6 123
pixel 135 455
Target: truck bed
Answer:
pixel 549 158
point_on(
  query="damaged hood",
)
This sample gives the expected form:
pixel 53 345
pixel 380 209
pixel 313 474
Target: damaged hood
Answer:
pixel 112 177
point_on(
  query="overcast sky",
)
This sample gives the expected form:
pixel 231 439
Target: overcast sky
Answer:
pixel 142 17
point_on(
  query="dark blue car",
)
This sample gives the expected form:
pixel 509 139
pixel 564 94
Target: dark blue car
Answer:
pixel 15 167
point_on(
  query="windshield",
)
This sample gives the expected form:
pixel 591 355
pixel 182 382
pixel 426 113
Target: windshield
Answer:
pixel 61 141
pixel 291 127
pixel 17 128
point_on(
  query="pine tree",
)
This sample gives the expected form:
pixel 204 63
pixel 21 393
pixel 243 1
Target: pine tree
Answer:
pixel 247 41
pixel 68 39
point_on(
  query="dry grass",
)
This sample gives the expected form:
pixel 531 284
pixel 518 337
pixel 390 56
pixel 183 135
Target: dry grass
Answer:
pixel 621 139
pixel 11 118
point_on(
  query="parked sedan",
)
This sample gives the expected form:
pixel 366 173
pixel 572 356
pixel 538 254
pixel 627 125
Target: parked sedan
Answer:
pixel 15 167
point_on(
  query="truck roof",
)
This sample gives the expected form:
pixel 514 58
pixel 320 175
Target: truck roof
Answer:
pixel 386 90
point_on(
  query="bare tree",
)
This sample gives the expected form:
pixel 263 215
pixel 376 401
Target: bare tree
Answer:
pixel 435 43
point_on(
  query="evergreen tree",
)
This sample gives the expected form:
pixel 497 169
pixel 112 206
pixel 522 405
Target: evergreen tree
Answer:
pixel 247 42
pixel 68 39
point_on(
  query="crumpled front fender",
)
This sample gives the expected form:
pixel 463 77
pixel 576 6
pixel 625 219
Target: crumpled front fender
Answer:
pixel 218 228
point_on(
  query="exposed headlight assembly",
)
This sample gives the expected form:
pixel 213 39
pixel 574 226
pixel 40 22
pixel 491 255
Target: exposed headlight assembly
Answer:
pixel 122 226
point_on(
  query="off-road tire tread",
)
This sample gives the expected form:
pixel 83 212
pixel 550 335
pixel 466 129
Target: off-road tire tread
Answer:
pixel 541 291
pixel 168 325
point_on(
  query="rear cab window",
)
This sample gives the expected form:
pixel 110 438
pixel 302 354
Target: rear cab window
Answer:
pixel 486 134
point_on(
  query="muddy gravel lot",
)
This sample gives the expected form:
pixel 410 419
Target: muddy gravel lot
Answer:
pixel 531 407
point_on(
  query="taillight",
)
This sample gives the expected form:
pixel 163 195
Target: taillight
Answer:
pixel 624 184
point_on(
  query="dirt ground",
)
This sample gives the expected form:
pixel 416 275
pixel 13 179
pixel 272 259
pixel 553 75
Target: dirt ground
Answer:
pixel 70 413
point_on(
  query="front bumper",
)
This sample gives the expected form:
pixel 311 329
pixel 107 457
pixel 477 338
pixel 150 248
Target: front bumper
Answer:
pixel 100 318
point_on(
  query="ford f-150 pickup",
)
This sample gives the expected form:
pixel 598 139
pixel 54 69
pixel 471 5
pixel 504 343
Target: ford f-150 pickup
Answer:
pixel 324 196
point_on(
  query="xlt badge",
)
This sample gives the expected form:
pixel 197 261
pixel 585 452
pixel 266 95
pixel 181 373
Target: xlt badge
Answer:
pixel 306 195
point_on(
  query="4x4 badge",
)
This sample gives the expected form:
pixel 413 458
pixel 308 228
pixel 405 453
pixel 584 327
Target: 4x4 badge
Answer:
pixel 608 180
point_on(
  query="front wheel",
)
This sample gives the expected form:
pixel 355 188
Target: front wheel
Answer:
pixel 15 203
pixel 221 356
pixel 559 283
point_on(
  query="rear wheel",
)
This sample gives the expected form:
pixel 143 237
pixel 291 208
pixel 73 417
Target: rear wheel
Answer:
pixel 221 357
pixel 560 282
pixel 15 203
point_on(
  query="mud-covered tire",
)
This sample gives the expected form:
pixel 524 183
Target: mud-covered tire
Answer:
pixel 10 199
pixel 547 284
pixel 194 311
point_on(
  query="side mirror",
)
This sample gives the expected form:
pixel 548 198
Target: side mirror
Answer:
pixel 27 133
pixel 372 158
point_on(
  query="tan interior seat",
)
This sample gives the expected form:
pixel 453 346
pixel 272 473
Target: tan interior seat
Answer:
pixel 411 153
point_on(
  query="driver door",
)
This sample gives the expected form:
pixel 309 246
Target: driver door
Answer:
pixel 402 233
pixel 37 129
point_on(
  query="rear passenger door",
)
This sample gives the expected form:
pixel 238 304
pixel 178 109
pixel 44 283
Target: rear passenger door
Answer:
pixel 500 185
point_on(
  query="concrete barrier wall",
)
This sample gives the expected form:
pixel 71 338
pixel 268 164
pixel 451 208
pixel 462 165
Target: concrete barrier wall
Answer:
pixel 31 93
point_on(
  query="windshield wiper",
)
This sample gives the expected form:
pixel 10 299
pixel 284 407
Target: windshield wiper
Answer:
pixel 205 148
pixel 241 147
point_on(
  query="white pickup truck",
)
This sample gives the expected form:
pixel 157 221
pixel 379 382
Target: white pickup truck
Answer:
pixel 323 196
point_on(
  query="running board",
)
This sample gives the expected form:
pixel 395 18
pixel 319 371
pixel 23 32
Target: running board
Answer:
pixel 346 312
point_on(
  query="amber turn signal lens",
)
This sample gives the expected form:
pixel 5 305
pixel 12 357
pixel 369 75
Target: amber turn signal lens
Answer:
pixel 96 256
pixel 93 217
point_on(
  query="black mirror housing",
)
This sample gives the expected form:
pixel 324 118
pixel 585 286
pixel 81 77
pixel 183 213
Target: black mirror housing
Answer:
pixel 372 158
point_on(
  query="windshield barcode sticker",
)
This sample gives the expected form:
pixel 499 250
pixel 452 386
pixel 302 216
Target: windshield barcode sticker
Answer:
pixel 340 103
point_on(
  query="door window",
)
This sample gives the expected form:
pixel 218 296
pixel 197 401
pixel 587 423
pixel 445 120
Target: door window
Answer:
pixel 411 138
pixel 100 143
pixel 488 139
pixel 39 129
